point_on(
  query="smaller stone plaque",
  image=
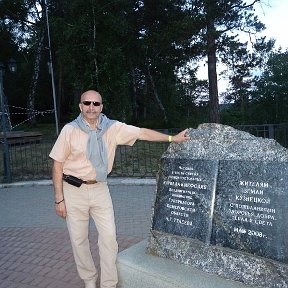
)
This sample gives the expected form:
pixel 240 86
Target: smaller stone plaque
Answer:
pixel 251 208
pixel 184 201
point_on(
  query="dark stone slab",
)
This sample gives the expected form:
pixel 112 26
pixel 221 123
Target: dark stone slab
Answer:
pixel 184 201
pixel 237 225
pixel 251 208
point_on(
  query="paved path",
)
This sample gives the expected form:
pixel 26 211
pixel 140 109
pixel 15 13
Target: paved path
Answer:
pixel 35 249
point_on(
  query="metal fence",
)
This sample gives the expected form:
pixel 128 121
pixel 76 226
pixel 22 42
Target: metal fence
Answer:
pixel 28 160
pixel 279 132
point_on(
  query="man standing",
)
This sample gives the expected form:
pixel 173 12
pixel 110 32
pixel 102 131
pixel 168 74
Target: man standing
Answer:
pixel 83 155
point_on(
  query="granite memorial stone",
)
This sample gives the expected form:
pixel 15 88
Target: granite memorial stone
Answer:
pixel 221 205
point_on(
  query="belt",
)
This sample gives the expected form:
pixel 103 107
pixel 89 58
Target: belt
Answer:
pixel 76 181
pixel 90 182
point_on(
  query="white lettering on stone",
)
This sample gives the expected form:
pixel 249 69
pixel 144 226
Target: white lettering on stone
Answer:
pixel 252 215
pixel 242 219
pixel 186 168
pixel 175 190
pixel 182 202
pixel 185 185
pixel 254 184
pixel 254 208
pixel 182 208
pixel 185 178
pixel 177 213
pixel 242 230
pixel 182 196
pixel 179 221
pixel 252 199
pixel 253 191
pixel 263 223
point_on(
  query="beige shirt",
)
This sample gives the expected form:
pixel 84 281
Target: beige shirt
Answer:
pixel 71 146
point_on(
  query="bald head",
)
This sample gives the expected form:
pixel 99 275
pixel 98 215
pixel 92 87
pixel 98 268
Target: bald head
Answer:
pixel 91 95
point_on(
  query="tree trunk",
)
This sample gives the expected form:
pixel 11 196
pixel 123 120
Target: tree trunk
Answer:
pixel 95 51
pixel 158 100
pixel 5 113
pixel 134 97
pixel 214 114
pixel 34 81
pixel 60 91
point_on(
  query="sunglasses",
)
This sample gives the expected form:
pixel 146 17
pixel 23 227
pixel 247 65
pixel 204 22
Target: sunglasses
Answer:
pixel 88 103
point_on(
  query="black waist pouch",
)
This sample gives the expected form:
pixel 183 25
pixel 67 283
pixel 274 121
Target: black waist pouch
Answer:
pixel 72 180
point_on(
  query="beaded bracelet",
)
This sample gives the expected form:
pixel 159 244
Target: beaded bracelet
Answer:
pixel 59 201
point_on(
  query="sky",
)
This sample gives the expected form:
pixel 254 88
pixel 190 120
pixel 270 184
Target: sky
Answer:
pixel 274 16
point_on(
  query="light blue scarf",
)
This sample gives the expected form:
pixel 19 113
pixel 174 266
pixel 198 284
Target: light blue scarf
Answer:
pixel 96 148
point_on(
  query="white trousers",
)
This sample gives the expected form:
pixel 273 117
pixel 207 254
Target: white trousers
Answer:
pixel 81 203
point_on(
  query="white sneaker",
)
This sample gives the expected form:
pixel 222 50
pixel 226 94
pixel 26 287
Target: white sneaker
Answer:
pixel 90 284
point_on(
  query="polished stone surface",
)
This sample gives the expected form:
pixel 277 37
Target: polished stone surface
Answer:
pixel 251 208
pixel 184 199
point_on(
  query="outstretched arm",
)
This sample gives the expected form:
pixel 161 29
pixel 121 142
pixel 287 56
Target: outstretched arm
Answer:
pixel 155 136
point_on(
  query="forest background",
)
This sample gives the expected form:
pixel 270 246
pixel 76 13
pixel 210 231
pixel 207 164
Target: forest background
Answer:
pixel 143 57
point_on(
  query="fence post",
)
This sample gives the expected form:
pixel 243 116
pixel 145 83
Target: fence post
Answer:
pixel 271 133
pixel 6 155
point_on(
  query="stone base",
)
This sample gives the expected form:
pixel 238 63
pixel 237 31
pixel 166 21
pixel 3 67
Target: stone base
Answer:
pixel 140 270
pixel 227 263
